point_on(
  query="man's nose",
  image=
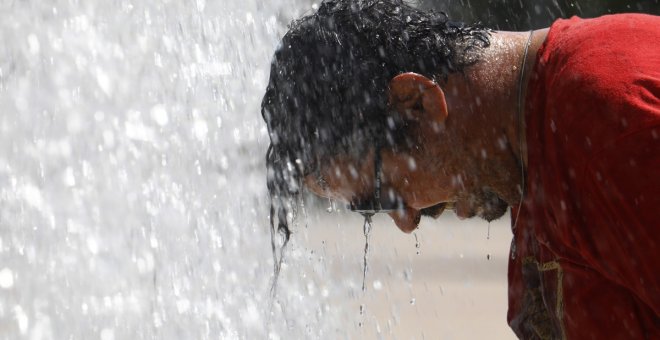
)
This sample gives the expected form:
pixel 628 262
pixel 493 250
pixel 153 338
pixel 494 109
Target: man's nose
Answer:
pixel 407 219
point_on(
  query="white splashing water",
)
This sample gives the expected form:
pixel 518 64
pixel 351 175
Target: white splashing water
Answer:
pixel 132 186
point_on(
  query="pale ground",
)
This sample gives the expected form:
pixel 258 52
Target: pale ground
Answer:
pixel 455 288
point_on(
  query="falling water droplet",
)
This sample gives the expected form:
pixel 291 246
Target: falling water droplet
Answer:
pixel 488 257
pixel 417 246
pixel 329 209
pixel 412 301
pixel 488 235
pixel 361 315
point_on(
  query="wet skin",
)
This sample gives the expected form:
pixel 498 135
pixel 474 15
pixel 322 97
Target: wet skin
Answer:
pixel 413 176
pixel 469 155
pixel 422 192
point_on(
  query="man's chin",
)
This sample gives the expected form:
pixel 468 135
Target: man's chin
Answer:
pixel 489 214
pixel 493 208
pixel 488 205
pixel 493 214
pixel 434 211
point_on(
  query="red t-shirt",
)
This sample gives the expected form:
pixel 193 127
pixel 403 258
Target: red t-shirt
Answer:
pixel 585 258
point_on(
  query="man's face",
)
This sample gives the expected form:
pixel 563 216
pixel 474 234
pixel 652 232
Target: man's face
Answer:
pixel 413 179
pixel 438 170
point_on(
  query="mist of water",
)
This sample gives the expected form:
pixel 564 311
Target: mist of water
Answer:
pixel 132 185
pixel 133 201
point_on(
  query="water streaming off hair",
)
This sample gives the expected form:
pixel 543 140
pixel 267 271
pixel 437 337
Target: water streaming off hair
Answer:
pixel 367 230
pixel 417 245
pixel 145 213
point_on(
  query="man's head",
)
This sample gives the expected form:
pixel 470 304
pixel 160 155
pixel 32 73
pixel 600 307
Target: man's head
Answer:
pixel 338 92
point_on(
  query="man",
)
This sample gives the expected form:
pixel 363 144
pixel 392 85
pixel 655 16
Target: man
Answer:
pixel 396 110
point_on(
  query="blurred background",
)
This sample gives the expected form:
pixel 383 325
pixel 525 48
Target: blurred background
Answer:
pixel 514 15
pixel 132 187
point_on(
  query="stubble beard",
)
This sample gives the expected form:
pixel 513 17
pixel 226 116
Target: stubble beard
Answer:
pixel 488 205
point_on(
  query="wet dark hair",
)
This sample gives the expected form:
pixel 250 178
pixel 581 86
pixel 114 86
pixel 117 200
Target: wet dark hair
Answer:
pixel 327 92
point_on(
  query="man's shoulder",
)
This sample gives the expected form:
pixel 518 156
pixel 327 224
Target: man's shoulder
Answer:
pixel 602 72
pixel 598 82
pixel 575 33
pixel 597 55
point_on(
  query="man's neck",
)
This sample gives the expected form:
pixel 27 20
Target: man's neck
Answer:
pixel 485 102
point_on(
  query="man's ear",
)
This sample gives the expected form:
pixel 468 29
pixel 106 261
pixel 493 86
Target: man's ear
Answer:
pixel 418 98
